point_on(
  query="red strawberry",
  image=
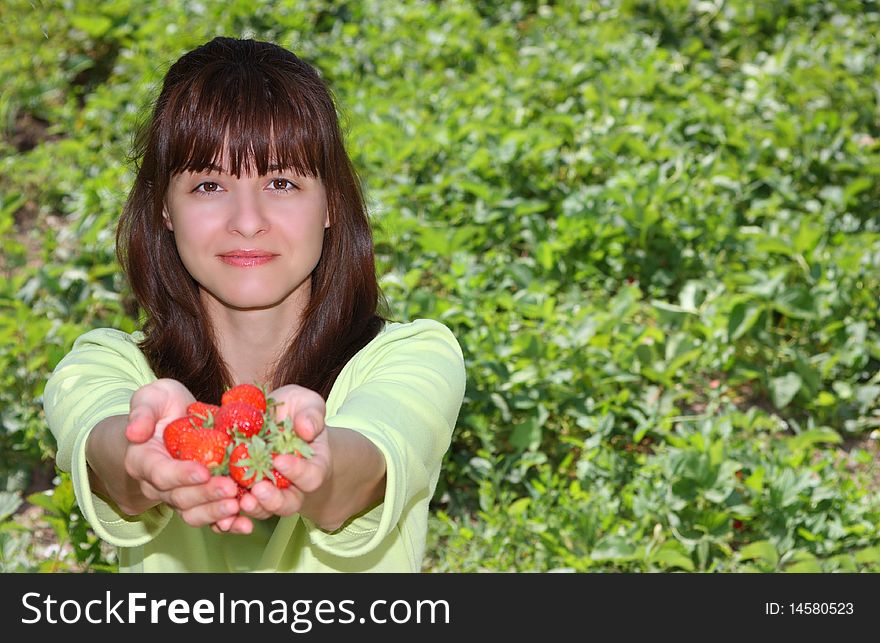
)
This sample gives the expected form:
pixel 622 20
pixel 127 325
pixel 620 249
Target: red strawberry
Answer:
pixel 239 417
pixel 175 431
pixel 247 393
pixel 251 462
pixel 280 481
pixel 207 446
pixel 202 413
pixel 239 466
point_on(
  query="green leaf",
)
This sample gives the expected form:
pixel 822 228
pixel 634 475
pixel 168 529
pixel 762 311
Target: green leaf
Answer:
pixel 796 303
pixel 668 558
pixel 762 550
pixel 803 563
pixel 673 309
pixel 868 555
pixel 808 235
pixel 519 507
pixel 10 501
pixel 43 499
pixel 94 26
pixel 783 389
pixel 807 439
pixel 526 435
pixel 615 548
pixel 773 245
pixel 742 317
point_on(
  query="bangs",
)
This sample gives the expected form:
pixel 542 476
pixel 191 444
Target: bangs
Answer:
pixel 244 118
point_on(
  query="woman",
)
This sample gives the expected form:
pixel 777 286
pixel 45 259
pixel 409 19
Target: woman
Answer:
pixel 247 245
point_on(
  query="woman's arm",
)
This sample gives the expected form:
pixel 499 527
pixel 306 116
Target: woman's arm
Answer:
pixel 344 475
pixel 129 465
pixel 105 449
pixel 356 481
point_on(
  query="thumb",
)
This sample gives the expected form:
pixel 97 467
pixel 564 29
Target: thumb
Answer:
pixel 309 424
pixel 141 424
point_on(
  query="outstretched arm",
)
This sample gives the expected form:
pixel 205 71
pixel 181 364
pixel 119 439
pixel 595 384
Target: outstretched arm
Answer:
pixel 344 476
pixel 129 464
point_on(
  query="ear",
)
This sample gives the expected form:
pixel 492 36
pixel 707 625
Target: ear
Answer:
pixel 166 218
pixel 327 220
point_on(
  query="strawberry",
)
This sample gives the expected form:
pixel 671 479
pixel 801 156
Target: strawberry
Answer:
pixel 175 431
pixel 252 461
pixel 202 413
pixel 280 481
pixel 240 437
pixel 239 417
pixel 247 393
pixel 207 446
pixel 239 466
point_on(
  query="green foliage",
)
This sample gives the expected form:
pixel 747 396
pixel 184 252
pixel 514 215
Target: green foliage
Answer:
pixel 651 225
pixel 73 546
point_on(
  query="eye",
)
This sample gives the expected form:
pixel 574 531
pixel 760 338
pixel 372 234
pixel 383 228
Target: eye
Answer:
pixel 282 184
pixel 207 186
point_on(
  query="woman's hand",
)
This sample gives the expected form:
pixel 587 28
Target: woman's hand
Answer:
pixel 306 409
pixel 155 477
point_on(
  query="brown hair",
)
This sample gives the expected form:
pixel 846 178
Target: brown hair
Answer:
pixel 252 104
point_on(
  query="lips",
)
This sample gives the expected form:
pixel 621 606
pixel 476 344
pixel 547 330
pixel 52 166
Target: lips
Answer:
pixel 246 258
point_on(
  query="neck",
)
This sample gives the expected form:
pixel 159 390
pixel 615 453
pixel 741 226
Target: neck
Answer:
pixel 251 341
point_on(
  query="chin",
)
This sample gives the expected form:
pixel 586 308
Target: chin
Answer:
pixel 247 298
pixel 252 302
pixel 255 294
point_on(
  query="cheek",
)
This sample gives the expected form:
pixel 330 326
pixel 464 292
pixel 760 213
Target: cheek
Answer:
pixel 306 238
pixel 190 244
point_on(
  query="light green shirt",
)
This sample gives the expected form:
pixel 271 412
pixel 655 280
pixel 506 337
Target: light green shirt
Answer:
pixel 403 391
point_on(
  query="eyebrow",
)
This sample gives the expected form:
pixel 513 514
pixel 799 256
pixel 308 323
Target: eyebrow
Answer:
pixel 211 167
pixel 275 167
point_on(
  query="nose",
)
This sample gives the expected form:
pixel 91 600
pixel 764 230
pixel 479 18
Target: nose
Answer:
pixel 248 217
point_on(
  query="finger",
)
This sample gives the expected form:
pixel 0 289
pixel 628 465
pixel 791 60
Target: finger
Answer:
pixel 164 472
pixel 141 423
pixel 178 473
pixel 149 491
pixel 268 495
pixel 217 488
pixel 308 423
pixel 241 525
pixel 252 506
pixel 294 401
pixel 154 405
pixel 223 525
pixel 233 525
pixel 279 502
pixel 146 409
pixel 307 476
pixel 210 513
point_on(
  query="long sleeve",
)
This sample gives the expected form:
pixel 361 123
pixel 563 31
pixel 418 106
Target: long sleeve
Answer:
pixel 94 381
pixel 403 392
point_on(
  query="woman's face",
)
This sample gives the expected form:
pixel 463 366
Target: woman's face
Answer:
pixel 250 242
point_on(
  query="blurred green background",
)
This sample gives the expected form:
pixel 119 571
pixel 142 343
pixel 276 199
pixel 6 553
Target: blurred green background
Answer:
pixel 652 226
